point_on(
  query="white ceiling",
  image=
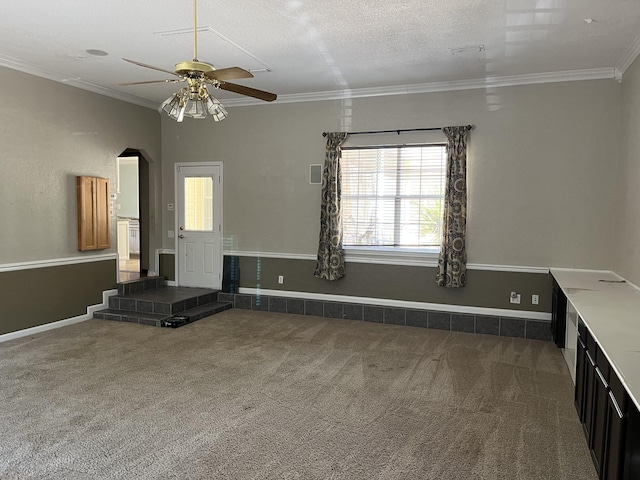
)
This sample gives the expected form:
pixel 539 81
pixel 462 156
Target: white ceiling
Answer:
pixel 322 48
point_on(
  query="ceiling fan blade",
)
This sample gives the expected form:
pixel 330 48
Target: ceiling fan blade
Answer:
pixel 248 91
pixel 229 74
pixel 150 66
pixel 144 83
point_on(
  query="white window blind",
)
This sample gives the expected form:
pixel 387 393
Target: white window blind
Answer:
pixel 393 196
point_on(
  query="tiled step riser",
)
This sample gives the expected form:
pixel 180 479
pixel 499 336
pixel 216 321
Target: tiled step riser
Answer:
pixel 149 301
pixel 157 322
pixel 164 308
pixel 137 286
pixel 126 318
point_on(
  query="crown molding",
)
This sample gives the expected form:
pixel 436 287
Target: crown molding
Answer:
pixel 14 64
pixel 626 61
pixel 92 87
pixel 479 83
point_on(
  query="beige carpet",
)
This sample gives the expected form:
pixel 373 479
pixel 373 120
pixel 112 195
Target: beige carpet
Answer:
pixel 251 395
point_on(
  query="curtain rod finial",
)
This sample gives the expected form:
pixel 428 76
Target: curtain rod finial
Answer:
pixel 324 134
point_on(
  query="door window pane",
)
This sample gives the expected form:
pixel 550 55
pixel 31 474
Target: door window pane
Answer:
pixel 198 201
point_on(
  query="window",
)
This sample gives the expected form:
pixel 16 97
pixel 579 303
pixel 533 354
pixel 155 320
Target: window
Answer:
pixel 198 204
pixel 393 196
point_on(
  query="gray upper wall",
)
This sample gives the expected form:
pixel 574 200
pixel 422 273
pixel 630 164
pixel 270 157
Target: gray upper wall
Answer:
pixel 50 133
pixel 542 167
pixel 626 242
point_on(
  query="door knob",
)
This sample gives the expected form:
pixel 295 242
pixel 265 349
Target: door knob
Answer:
pixel 180 236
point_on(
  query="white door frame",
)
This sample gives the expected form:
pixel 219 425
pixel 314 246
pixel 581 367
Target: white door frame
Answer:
pixel 178 204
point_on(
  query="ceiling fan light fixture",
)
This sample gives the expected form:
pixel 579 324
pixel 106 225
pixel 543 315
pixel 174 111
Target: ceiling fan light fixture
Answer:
pixel 214 108
pixel 194 102
pixel 194 108
pixel 181 113
pixel 172 106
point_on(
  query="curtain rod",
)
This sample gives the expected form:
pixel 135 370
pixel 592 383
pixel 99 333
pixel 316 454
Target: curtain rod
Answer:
pixel 324 134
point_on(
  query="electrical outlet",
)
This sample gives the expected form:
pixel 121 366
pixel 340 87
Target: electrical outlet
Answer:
pixel 514 297
pixel 535 299
pixel 280 279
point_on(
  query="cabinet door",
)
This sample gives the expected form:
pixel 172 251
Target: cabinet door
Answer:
pixel 614 451
pixel 599 425
pixel 581 361
pixel 589 390
pixel 86 213
pixel 558 315
pixel 93 213
pixel 632 445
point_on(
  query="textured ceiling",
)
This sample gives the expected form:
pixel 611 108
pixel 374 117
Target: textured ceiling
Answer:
pixel 360 46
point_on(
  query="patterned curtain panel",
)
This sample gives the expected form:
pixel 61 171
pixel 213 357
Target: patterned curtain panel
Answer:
pixel 330 265
pixel 452 262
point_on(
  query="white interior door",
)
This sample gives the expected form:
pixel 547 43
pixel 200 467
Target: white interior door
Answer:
pixel 199 225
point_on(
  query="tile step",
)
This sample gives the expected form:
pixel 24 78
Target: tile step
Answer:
pixel 156 319
pixel 164 300
pixel 140 285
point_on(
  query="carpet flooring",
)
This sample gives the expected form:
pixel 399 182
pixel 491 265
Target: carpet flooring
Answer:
pixel 252 395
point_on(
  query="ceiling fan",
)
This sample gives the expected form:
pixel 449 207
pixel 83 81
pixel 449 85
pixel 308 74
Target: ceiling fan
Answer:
pixel 194 99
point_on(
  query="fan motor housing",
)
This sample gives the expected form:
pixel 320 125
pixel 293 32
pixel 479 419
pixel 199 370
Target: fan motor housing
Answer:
pixel 184 68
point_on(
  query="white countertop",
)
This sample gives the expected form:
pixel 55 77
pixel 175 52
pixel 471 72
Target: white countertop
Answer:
pixel 611 312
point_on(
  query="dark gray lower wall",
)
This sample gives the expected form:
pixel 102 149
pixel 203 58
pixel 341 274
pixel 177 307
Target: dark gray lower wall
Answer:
pixel 485 288
pixel 38 296
pixel 167 268
pixel 489 289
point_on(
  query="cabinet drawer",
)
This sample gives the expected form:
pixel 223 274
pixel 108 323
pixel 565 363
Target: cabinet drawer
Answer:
pixel 591 344
pixel 618 391
pixel 582 329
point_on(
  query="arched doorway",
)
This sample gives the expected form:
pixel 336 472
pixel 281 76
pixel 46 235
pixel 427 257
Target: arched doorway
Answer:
pixel 132 211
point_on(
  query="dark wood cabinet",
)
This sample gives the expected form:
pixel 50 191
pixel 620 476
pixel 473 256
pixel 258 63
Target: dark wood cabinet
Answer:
pixel 558 315
pixel 589 394
pixel 599 423
pixel 93 213
pixel 606 407
pixel 617 404
pixel 632 445
pixel 603 404
pixel 581 363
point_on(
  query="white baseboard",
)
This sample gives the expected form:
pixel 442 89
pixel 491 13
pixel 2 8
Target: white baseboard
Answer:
pixel 61 323
pixel 387 302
